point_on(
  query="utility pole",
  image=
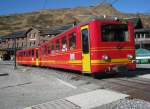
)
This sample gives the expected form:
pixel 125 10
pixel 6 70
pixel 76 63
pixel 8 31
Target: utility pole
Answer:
pixel 15 67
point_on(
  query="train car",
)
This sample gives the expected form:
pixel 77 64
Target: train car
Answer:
pixel 27 57
pixel 96 46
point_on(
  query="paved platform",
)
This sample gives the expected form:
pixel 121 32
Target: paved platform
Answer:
pixel 86 100
pixel 145 66
pixel 57 104
pixel 27 86
pixel 43 88
pixel 146 76
pixel 96 98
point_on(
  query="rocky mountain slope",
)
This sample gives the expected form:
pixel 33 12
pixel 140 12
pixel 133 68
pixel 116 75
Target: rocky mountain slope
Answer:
pixel 56 17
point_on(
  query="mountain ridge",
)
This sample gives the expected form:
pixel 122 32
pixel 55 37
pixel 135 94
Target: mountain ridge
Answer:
pixel 55 17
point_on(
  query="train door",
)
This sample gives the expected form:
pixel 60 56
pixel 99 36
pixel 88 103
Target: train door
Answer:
pixel 86 63
pixel 37 60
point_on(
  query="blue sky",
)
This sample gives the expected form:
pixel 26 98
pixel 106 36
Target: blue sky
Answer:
pixel 22 6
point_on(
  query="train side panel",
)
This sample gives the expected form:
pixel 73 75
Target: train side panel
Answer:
pixel 86 48
pixel 66 58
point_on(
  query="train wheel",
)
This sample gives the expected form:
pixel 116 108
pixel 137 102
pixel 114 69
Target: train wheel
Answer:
pixel 99 75
pixel 86 74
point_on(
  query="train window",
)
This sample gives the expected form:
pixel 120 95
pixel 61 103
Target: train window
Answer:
pixel 32 53
pixel 26 53
pixel 43 50
pixel 57 45
pixel 29 53
pixel 115 33
pixel 53 47
pixel 85 41
pixel 49 48
pixel 72 41
pixel 64 44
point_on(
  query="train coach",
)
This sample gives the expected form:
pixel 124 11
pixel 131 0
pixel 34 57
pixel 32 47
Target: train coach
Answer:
pixel 92 47
pixel 28 57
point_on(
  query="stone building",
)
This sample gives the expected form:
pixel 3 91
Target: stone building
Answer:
pixel 7 43
pixel 32 37
pixel 142 38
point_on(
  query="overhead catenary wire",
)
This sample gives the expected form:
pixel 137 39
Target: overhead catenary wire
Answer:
pixel 113 2
pixel 44 4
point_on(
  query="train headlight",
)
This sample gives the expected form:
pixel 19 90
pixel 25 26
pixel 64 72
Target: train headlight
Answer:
pixel 105 57
pixel 130 56
pixel 32 59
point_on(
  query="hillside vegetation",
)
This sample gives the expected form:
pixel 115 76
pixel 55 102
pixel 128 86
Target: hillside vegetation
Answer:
pixel 56 17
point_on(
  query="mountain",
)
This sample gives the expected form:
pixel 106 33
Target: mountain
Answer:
pixel 56 17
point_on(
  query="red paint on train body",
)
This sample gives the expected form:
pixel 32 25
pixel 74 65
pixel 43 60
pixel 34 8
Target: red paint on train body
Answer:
pixel 95 46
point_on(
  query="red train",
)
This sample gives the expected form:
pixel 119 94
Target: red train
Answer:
pixel 92 47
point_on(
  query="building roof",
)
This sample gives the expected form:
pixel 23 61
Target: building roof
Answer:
pixel 142 52
pixel 55 30
pixel 136 22
pixel 49 32
pixel 142 30
pixel 17 34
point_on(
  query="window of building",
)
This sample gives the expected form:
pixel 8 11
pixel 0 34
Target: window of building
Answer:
pixel 31 35
pixel 34 35
pixel 72 41
pixel 147 35
pixel 17 45
pixel 64 44
pixel 30 43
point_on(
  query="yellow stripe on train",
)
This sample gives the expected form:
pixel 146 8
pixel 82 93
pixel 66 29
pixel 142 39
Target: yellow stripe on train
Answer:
pixel 79 62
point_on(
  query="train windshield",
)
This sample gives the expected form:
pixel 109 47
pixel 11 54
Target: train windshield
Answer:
pixel 115 33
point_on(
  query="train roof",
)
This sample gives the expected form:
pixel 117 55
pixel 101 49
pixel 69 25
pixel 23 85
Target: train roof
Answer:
pixel 86 22
pixel 27 49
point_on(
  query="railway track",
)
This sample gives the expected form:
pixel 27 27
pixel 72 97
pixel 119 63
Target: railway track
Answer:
pixel 136 87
